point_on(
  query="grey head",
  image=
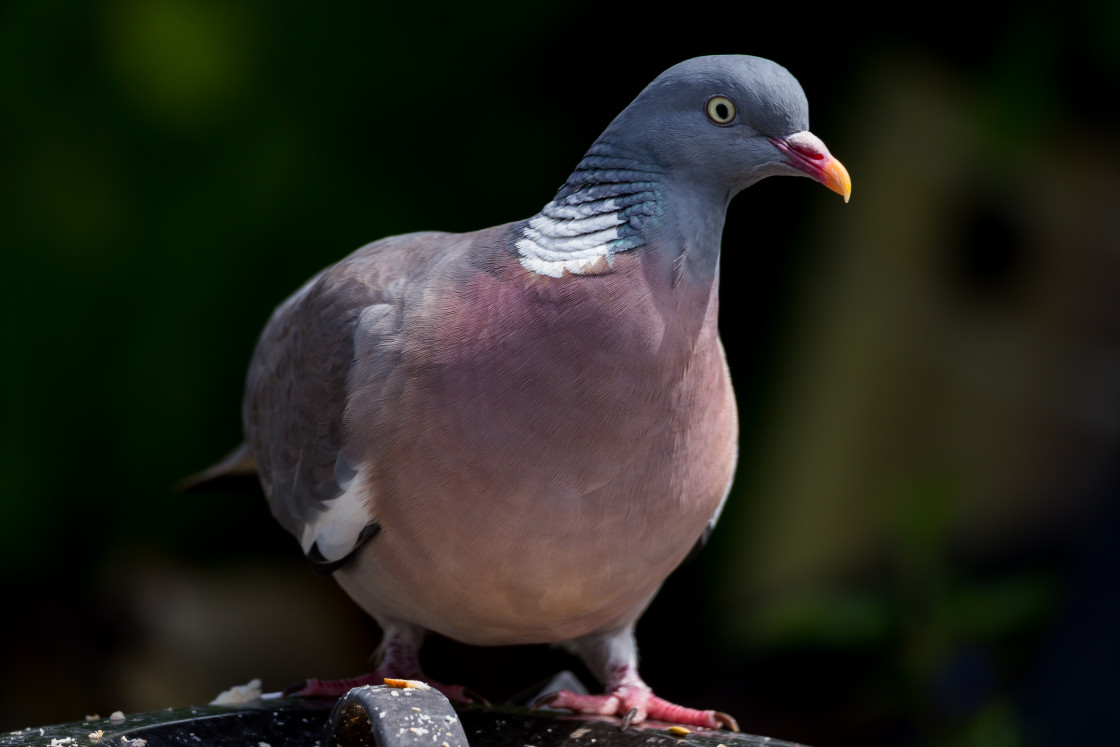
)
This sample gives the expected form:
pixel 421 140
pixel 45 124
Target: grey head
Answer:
pixel 700 133
pixel 721 122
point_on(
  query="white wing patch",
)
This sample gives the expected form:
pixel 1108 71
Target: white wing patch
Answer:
pixel 726 492
pixel 335 531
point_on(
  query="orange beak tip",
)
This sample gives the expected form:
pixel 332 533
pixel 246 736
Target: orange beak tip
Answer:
pixel 837 179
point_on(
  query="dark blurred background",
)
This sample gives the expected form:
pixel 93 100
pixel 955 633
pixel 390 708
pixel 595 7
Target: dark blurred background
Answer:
pixel 920 545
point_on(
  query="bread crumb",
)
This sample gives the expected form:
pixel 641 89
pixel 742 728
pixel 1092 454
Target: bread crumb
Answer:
pixel 415 684
pixel 239 694
pixel 95 736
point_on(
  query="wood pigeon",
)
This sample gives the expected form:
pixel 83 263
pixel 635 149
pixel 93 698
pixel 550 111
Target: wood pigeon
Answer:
pixel 514 435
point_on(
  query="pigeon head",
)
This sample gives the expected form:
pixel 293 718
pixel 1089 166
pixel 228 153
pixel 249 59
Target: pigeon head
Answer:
pixel 665 169
pixel 724 122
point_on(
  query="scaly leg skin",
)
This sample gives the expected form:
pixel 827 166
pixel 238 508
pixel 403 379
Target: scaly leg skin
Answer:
pixel 613 657
pixel 397 658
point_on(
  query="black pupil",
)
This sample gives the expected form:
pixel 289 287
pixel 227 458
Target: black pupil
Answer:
pixel 721 111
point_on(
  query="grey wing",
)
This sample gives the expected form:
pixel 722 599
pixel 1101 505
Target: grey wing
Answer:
pixel 298 388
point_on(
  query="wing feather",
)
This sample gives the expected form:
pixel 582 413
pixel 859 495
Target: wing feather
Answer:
pixel 299 385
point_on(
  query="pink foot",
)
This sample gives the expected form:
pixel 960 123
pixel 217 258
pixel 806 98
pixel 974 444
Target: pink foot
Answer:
pixel 316 688
pixel 629 697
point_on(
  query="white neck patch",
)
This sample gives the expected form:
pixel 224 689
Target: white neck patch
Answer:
pixel 603 208
pixel 573 239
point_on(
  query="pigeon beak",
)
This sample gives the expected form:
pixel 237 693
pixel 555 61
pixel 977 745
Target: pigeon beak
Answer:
pixel 805 152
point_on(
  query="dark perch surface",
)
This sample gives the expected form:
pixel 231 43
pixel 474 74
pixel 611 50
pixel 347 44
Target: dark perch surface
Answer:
pixel 293 722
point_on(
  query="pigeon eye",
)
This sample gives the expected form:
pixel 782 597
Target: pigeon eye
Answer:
pixel 721 110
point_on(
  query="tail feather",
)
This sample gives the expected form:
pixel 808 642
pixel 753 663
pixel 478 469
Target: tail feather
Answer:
pixel 234 471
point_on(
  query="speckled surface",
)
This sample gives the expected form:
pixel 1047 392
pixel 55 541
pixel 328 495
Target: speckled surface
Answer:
pixel 293 722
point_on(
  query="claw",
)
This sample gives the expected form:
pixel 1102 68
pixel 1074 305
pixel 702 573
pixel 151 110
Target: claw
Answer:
pixel 544 699
pixel 629 717
pixel 293 688
pixel 473 697
pixel 727 720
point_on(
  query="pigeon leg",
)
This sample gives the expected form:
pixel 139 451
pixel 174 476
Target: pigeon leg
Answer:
pixel 397 657
pixel 613 658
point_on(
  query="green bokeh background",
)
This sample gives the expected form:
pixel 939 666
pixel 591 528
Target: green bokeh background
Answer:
pixel 918 549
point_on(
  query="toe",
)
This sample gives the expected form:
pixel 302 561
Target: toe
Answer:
pixel 597 705
pixel 663 710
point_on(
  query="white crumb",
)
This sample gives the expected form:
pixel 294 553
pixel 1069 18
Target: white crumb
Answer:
pixel 116 717
pixel 95 736
pixel 239 694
